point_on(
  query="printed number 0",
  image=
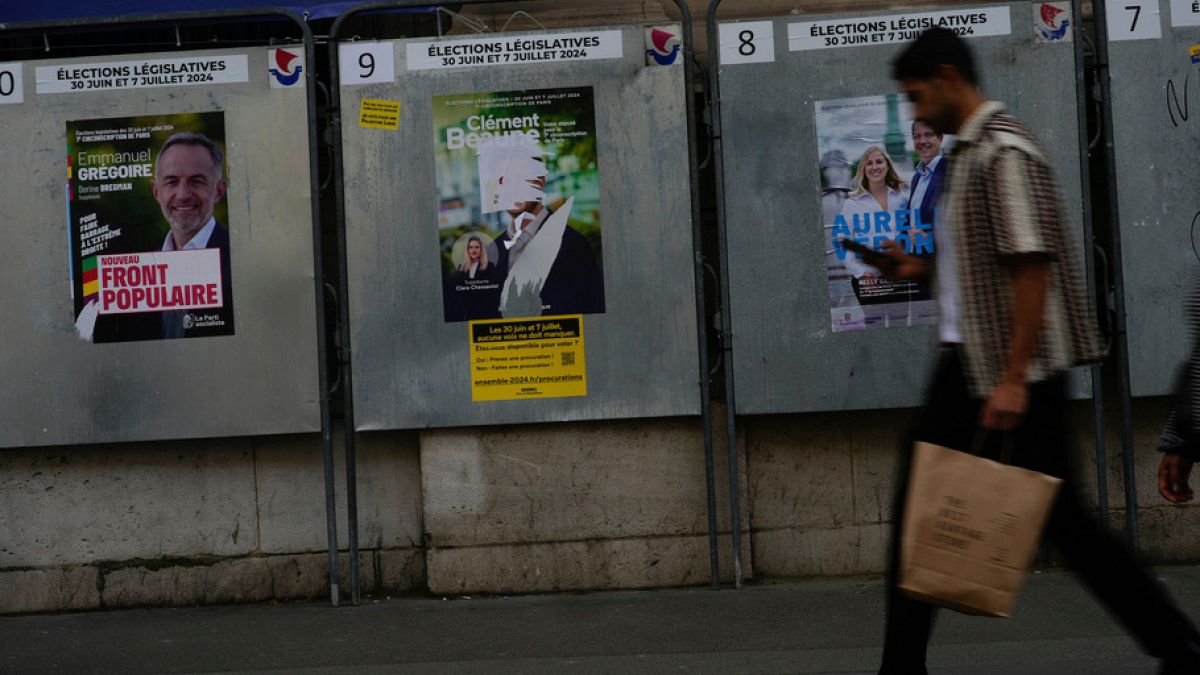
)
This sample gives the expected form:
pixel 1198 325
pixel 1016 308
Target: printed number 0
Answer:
pixel 1137 11
pixel 747 47
pixel 8 83
pixel 366 61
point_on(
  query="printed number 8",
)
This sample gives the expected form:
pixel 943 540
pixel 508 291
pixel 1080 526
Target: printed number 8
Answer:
pixel 747 48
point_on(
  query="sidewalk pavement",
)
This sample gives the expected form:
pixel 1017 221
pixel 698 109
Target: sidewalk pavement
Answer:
pixel 773 628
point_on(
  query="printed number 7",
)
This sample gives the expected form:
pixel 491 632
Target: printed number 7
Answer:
pixel 1137 11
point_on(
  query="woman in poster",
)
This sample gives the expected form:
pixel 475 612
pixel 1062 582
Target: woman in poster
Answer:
pixel 476 289
pixel 870 212
pixel 475 263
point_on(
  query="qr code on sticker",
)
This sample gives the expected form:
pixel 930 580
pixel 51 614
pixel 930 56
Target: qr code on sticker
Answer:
pixel 568 358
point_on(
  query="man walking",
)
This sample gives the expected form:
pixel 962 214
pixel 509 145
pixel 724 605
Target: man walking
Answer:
pixel 1013 318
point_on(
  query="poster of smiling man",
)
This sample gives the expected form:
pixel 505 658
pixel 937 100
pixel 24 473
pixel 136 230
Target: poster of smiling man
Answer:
pixel 519 204
pixel 149 228
pixel 881 174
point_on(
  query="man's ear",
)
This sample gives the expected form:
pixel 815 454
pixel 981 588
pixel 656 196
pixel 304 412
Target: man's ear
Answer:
pixel 220 190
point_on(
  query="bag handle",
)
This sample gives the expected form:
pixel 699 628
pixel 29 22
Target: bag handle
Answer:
pixel 985 438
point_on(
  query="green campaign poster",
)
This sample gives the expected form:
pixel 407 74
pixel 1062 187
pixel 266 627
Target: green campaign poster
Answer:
pixel 519 214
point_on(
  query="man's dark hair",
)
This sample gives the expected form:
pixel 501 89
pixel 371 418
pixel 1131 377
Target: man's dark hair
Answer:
pixel 913 128
pixel 935 47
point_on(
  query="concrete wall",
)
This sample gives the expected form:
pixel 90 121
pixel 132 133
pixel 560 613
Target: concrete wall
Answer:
pixel 197 522
pixel 617 504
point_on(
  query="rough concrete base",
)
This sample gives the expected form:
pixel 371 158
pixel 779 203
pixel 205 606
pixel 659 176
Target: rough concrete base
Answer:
pixel 572 566
pixel 49 590
pixel 241 580
pixel 589 505
pixel 846 551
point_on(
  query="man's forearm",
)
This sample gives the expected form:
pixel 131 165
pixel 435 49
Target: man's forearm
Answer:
pixel 1030 281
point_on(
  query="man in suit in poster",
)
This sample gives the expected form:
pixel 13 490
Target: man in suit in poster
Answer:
pixel 548 267
pixel 188 183
pixel 926 187
pixel 930 173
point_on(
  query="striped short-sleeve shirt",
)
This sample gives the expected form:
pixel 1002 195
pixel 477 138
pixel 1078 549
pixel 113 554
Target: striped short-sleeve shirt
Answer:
pixel 1003 203
pixel 1181 435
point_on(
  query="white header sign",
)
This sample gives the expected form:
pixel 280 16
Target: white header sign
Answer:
pixel 79 77
pixel 12 84
pixel 747 42
pixel 1185 13
pixel 893 28
pixel 511 51
pixel 1133 20
pixel 366 63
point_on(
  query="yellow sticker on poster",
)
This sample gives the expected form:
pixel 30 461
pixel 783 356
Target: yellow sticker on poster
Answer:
pixel 513 359
pixel 379 114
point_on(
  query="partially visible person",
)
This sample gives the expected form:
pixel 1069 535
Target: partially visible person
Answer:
pixel 1013 319
pixel 1180 439
pixel 560 276
pixel 876 189
pixel 188 184
pixel 930 171
pixel 548 266
pixel 476 290
pixel 475 261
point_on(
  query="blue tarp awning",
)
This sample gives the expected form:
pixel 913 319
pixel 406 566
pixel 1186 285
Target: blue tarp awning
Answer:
pixel 13 11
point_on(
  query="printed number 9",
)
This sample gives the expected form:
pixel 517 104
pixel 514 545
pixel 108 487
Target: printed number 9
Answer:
pixel 747 47
pixel 7 83
pixel 366 61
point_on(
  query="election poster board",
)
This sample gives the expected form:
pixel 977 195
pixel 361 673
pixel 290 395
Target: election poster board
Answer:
pixel 871 194
pixel 553 164
pixel 519 213
pixel 794 349
pixel 148 227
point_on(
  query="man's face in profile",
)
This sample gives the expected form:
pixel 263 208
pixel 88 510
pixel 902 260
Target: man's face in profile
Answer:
pixel 927 142
pixel 932 99
pixel 187 187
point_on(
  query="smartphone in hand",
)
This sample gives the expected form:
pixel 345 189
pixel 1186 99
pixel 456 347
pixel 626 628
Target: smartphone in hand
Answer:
pixel 881 261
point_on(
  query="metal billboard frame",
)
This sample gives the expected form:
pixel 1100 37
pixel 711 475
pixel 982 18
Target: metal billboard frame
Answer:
pixel 224 16
pixel 346 357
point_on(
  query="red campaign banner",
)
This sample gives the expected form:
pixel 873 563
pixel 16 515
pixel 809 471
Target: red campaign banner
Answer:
pixel 165 280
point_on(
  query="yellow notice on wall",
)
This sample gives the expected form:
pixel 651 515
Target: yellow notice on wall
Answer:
pixel 379 114
pixel 527 358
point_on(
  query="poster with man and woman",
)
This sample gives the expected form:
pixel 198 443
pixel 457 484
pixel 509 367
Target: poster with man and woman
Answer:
pixel 881 174
pixel 518 203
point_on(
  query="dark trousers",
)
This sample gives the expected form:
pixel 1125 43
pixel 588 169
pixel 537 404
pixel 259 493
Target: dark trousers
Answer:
pixel 951 418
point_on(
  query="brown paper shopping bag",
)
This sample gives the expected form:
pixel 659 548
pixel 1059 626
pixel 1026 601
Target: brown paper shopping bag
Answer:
pixel 971 528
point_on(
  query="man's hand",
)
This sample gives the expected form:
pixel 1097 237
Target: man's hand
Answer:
pixel 1173 474
pixel 1006 406
pixel 900 266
